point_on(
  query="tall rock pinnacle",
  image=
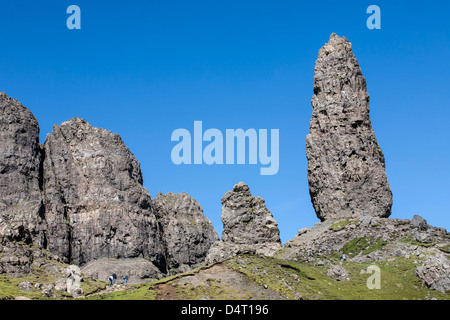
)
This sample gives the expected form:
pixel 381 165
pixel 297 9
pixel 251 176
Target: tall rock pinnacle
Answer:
pixel 346 170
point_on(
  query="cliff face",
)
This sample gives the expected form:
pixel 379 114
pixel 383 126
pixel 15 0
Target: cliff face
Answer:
pixel 80 196
pixel 21 209
pixel 95 204
pixel 346 170
pixel 187 233
pixel 20 159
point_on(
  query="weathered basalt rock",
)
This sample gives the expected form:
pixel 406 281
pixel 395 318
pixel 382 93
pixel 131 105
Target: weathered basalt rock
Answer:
pixel 419 223
pixel 20 158
pixel 95 204
pixel 248 226
pixel 80 196
pixel 435 272
pixel 186 232
pixel 346 168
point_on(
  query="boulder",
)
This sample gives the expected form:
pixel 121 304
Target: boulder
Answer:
pixel 338 273
pixel 15 259
pixel 346 167
pixel 435 272
pixel 47 290
pixel 138 270
pixel 26 286
pixel 419 223
pixel 61 284
pixel 73 281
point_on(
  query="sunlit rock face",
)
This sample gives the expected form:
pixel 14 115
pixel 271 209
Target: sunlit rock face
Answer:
pixel 346 168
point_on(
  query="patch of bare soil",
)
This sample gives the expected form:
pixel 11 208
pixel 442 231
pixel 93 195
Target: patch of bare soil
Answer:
pixel 216 282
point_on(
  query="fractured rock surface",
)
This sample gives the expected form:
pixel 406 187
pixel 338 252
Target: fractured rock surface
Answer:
pixel 20 158
pixel 95 204
pixel 435 272
pixel 186 232
pixel 80 196
pixel 346 168
pixel 248 226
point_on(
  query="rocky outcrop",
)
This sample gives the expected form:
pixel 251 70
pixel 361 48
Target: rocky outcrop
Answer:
pixel 138 270
pixel 186 233
pixel 364 239
pixel 20 158
pixel 73 281
pixel 373 239
pixel 419 223
pixel 346 167
pixel 52 278
pixel 338 273
pixel 248 226
pixel 435 272
pixel 95 204
pixel 16 259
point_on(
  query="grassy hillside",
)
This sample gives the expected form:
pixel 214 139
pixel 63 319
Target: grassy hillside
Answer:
pixel 273 278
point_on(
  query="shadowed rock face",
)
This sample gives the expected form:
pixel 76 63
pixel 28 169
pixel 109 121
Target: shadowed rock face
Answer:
pixel 95 203
pixel 248 226
pixel 187 233
pixel 346 170
pixel 20 157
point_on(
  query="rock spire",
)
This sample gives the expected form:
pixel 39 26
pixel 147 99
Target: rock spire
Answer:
pixel 346 167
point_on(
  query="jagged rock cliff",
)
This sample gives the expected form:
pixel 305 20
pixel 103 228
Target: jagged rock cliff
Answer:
pixel 346 170
pixel 187 234
pixel 80 196
pixel 20 160
pixel 374 239
pixel 95 204
pixel 248 226
pixel 21 210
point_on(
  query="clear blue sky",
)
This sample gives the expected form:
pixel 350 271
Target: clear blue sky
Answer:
pixel 145 68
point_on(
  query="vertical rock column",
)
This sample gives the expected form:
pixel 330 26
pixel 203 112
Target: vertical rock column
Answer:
pixel 346 169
